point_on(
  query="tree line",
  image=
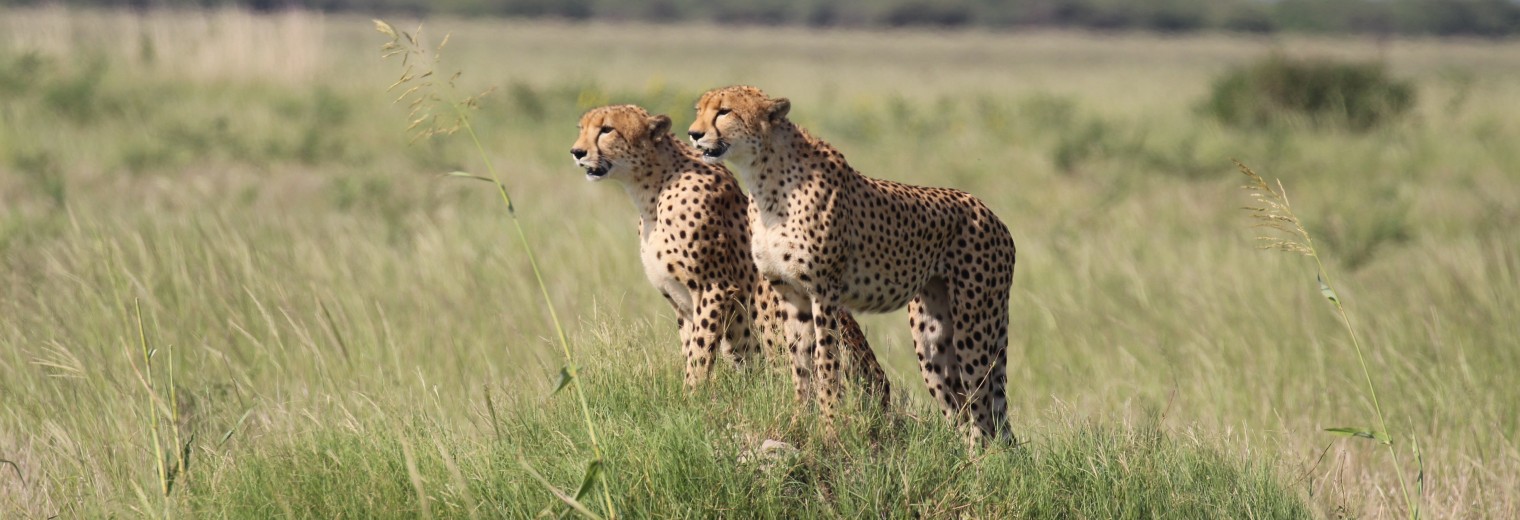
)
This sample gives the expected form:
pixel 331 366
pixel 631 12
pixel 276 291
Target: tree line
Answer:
pixel 1486 18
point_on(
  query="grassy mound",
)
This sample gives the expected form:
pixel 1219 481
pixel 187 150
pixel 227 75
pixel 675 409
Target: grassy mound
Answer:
pixel 697 456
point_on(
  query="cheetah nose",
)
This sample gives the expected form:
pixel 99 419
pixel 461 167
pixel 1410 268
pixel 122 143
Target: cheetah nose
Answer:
pixel 577 153
pixel 696 135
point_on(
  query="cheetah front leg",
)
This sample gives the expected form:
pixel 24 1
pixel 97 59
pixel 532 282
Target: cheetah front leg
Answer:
pixel 684 322
pixel 826 356
pixel 769 319
pixel 864 369
pixel 739 339
pixel 797 310
pixel 699 340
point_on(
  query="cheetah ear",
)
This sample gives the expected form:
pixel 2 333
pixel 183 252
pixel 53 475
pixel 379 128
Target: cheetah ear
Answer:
pixel 659 126
pixel 777 109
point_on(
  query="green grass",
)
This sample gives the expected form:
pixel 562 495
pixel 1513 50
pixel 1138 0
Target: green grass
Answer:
pixel 335 307
pixel 690 460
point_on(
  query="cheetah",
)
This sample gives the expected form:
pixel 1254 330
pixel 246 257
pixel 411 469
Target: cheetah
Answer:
pixel 833 238
pixel 694 241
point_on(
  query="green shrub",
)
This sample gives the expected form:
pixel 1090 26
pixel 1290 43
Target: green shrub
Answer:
pixel 1279 89
pixel 20 72
pixel 41 168
pixel 78 96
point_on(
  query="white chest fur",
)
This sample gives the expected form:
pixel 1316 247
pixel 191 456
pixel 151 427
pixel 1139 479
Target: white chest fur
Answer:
pixel 664 270
pixel 774 244
pixel 778 254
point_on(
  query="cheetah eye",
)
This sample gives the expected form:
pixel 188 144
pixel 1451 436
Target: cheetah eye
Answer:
pixel 606 130
pixel 724 111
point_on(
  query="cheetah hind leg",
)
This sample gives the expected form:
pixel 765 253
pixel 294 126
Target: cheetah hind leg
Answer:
pixel 984 362
pixel 932 329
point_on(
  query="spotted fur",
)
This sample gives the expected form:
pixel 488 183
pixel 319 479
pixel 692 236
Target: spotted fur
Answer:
pixel 694 240
pixel 835 239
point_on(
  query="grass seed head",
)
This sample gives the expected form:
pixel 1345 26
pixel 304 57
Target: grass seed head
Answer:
pixel 429 112
pixel 1274 212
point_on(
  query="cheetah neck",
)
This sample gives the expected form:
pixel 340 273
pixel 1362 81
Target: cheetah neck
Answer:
pixel 776 176
pixel 666 163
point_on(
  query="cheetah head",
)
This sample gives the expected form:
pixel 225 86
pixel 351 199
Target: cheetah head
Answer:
pixel 734 122
pixel 618 139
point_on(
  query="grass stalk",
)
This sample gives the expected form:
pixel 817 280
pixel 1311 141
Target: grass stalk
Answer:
pixel 180 448
pixel 1356 344
pixel 1276 212
pixel 425 124
pixel 158 447
pixel 559 329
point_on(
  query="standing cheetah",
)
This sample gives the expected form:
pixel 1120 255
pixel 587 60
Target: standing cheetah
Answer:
pixel 694 240
pixel 836 239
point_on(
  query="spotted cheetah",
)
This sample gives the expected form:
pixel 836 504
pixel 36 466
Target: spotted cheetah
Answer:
pixel 694 241
pixel 834 238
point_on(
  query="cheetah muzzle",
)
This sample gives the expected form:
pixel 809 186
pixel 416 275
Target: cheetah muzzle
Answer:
pixel 596 172
pixel 596 169
pixel 713 153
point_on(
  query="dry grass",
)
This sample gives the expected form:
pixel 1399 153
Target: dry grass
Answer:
pixel 207 46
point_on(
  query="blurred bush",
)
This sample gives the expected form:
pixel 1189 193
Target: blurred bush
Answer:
pixel 20 72
pixel 1279 89
pixel 1356 230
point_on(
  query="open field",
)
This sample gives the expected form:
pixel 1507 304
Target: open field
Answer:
pixel 351 334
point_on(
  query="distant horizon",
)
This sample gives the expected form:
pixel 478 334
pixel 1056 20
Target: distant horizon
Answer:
pixel 1476 18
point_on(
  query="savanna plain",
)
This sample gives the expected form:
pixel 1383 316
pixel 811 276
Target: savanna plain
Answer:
pixel 233 286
